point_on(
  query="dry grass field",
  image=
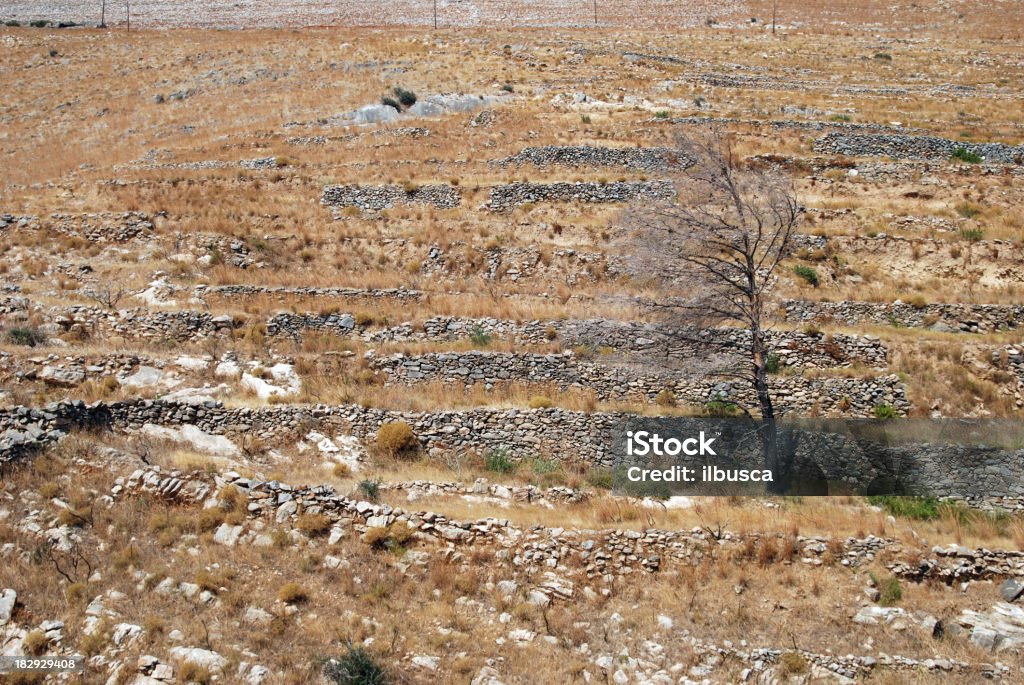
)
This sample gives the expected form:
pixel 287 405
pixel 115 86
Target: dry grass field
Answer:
pixel 162 222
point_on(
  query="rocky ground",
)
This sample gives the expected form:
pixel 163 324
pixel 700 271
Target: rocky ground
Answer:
pixel 294 379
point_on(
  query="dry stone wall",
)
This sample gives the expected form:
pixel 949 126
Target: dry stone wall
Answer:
pixel 376 198
pixel 352 293
pixel 554 433
pixel 966 318
pixel 830 396
pixel 638 158
pixel 794 348
pixel 505 197
pixel 915 147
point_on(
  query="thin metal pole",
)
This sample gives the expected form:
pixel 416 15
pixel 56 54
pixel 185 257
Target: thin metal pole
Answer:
pixel 128 9
pixel 595 12
pixel 435 15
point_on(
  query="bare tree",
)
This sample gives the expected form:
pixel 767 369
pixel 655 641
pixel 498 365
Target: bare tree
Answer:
pixel 712 255
pixel 108 296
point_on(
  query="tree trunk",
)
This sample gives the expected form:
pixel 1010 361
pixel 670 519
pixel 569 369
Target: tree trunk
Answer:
pixel 774 458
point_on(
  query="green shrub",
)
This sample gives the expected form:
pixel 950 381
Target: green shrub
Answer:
pixel 807 273
pixel 962 154
pixel 661 115
pixel 12 22
pixel 396 439
pixel 38 23
pixel 479 336
pixel 917 508
pixel 600 478
pixel 390 102
pixel 884 412
pixel 585 118
pixel 972 235
pixel 370 489
pixel 29 337
pixel 498 461
pixel 841 117
pixel 406 98
pixel 355 667
pixel 890 592
pixel 884 56
pixel 508 88
pixel 721 408
pixel 773 364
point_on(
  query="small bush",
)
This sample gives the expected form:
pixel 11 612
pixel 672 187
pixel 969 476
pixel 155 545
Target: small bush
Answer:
pixel 355 667
pixel 29 337
pixel 35 643
pixel 600 478
pixel 890 592
pixel 773 364
pixel 498 461
pixel 792 663
pixel 341 470
pixel 807 273
pixel 363 318
pixel 190 672
pixel 584 351
pixel 391 102
pixel 661 115
pixel 884 412
pixel 406 98
pixel 314 525
pixel 479 336
pixel 967 210
pixel 38 23
pixel 721 408
pixel 292 593
pixel 508 88
pixel 917 508
pixel 665 398
pixel 962 154
pixel 370 489
pixel 396 439
pixel 393 538
pixel 540 402
pixel 584 118
pixel 918 302
pixel 884 56
pixel 972 235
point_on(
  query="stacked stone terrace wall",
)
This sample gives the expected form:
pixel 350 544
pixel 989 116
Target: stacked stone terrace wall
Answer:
pixel 376 198
pixel 251 290
pixel 505 197
pixel 791 124
pixel 797 394
pixel 638 158
pixel 967 318
pixel 794 348
pixel 945 469
pixel 914 147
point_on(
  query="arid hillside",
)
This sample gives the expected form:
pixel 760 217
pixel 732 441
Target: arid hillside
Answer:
pixel 311 340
